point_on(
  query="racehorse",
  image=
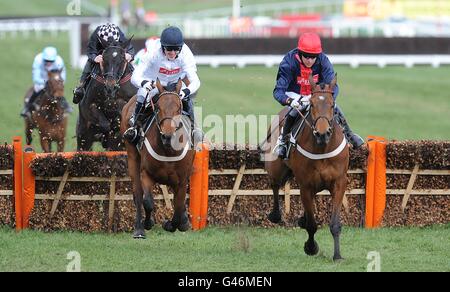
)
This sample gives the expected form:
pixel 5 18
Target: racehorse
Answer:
pixel 318 159
pixel 106 95
pixel 166 159
pixel 48 117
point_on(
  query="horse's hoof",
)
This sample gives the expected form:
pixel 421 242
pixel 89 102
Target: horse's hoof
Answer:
pixel 139 234
pixel 274 217
pixel 311 249
pixel 302 222
pixel 337 258
pixel 167 226
pixel 148 224
pixel 184 226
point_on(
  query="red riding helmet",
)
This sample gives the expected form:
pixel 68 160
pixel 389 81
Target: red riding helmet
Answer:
pixel 310 43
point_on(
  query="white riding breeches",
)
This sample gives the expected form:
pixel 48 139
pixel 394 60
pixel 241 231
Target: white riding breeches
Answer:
pixel 142 94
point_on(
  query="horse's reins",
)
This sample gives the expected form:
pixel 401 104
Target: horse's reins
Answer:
pixel 158 121
pixel 313 126
pixel 102 79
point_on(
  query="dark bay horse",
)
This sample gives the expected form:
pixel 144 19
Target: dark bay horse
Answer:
pixel 319 161
pixel 166 158
pixel 49 117
pixel 106 95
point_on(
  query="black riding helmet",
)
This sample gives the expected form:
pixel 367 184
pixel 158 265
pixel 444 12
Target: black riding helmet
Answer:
pixel 172 38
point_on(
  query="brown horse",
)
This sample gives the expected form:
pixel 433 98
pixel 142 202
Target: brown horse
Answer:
pixel 49 117
pixel 319 161
pixel 166 159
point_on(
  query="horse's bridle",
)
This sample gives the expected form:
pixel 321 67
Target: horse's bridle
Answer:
pixel 111 74
pixel 47 89
pixel 314 122
pixel 158 121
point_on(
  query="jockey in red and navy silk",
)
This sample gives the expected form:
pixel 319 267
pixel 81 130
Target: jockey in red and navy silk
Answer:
pixel 293 89
pixel 298 64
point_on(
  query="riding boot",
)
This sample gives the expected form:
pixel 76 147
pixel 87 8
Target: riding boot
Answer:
pixel 283 139
pixel 131 134
pixel 80 90
pixel 351 137
pixel 29 104
pixel 197 134
pixel 66 106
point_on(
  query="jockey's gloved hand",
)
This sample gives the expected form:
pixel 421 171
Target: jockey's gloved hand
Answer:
pixel 149 85
pixel 98 59
pixel 128 57
pixel 294 103
pixel 185 93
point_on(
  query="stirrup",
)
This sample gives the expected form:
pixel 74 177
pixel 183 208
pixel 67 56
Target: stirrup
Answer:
pixel 130 134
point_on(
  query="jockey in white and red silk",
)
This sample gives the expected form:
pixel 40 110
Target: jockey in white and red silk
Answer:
pixel 44 62
pixel 171 60
pixel 292 86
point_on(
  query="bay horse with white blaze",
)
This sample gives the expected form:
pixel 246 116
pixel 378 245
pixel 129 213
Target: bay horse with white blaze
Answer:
pixel 166 158
pixel 318 160
pixel 49 116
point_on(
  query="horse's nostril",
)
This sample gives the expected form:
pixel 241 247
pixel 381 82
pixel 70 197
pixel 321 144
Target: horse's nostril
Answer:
pixel 166 136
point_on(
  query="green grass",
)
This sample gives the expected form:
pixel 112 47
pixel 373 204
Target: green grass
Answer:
pixel 227 249
pixel 395 102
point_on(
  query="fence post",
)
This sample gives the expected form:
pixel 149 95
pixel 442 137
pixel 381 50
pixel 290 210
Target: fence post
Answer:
pixel 195 193
pixel 17 173
pixel 205 187
pixel 28 183
pixel 376 181
pixel 379 200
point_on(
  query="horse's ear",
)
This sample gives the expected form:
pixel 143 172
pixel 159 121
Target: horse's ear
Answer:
pixel 159 86
pixel 333 82
pixel 311 82
pixel 178 87
pixel 126 43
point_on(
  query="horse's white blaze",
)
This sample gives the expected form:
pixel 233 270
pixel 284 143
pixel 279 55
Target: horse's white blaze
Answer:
pixel 114 54
pixel 56 77
pixel 321 97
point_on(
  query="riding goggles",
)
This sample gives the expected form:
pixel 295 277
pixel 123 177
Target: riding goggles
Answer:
pixel 309 56
pixel 172 48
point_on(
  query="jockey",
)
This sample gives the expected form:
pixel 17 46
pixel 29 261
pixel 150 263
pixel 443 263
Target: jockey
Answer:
pixel 292 86
pixel 43 63
pixel 171 60
pixel 108 33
